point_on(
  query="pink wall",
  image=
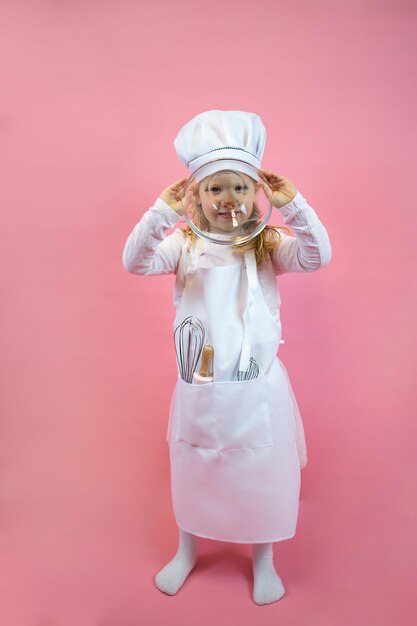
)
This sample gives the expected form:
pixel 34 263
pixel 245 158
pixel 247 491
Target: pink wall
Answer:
pixel 93 94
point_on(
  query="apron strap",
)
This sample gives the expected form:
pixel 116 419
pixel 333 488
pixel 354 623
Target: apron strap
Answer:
pixel 194 254
pixel 252 277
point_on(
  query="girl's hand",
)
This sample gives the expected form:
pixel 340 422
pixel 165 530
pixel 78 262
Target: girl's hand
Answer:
pixel 279 190
pixel 174 196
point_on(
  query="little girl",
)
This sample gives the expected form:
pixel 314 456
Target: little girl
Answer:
pixel 236 443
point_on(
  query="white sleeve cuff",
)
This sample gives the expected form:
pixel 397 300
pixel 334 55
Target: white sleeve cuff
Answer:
pixel 297 203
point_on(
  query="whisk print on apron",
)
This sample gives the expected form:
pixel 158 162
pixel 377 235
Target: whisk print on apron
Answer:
pixel 235 472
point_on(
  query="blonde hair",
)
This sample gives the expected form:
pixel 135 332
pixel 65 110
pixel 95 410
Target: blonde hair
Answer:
pixel 263 244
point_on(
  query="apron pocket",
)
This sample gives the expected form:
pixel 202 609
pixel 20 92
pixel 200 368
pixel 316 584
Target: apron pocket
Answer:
pixel 223 416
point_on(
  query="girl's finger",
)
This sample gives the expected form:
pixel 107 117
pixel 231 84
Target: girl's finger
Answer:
pixel 267 190
pixel 179 183
pixel 263 178
pixel 268 174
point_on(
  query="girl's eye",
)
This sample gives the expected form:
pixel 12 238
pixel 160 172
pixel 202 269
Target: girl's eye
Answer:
pixel 241 188
pixel 215 189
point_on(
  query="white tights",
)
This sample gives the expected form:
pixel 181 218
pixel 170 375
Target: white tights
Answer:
pixel 267 587
pixel 172 577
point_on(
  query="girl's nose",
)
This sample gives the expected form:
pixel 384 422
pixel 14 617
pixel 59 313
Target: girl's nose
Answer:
pixel 229 200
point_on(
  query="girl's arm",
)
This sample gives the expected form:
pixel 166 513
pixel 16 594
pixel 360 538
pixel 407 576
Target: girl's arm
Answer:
pixel 147 250
pixel 310 249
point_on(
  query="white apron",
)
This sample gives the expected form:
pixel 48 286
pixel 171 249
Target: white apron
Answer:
pixel 236 447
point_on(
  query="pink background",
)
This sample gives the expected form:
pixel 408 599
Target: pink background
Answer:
pixel 93 94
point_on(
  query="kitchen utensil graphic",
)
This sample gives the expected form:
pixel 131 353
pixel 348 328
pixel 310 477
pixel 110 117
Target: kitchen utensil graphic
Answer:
pixel 205 374
pixel 251 372
pixel 189 340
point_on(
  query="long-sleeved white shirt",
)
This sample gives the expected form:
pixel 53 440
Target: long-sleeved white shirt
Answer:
pixel 149 251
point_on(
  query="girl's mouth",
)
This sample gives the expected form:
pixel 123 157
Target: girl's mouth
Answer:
pixel 228 214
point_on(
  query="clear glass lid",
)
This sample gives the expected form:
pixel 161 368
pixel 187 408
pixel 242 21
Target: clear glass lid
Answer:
pixel 224 203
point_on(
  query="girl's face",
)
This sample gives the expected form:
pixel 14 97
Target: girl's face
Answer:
pixel 223 193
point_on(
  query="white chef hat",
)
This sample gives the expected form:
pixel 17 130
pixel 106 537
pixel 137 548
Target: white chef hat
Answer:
pixel 219 140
